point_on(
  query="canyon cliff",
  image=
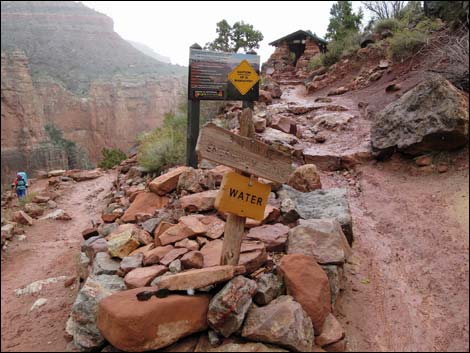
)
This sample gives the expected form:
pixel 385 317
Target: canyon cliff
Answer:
pixel 63 65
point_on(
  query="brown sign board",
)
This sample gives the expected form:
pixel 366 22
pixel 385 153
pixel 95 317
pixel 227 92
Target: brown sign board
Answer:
pixel 245 154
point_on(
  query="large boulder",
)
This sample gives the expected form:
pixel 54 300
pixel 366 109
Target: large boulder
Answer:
pixel 82 322
pixel 322 239
pixel 228 308
pixel 433 116
pixel 318 204
pixel 307 282
pixel 137 326
pixel 283 322
pixel 146 203
pixel 83 175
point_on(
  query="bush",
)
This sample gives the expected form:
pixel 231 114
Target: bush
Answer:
pixel 405 43
pixel 337 49
pixel 27 199
pixel 315 62
pixel 111 158
pixel 390 24
pixel 164 146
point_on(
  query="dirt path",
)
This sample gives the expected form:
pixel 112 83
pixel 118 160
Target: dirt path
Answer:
pixel 51 249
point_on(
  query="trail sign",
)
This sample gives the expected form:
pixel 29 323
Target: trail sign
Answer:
pixel 242 196
pixel 245 154
pixel 243 77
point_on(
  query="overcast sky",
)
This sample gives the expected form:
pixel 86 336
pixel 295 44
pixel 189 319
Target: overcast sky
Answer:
pixel 169 28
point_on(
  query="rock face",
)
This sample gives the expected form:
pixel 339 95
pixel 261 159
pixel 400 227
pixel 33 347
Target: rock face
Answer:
pixel 329 203
pixel 136 326
pixel 322 239
pixel 82 322
pixel 307 282
pixel 100 90
pixel 433 116
pixel 282 322
pixel 228 308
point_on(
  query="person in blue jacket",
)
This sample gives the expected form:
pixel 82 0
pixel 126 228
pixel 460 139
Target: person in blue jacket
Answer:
pixel 20 186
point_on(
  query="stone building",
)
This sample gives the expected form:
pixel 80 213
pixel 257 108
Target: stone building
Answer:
pixel 293 53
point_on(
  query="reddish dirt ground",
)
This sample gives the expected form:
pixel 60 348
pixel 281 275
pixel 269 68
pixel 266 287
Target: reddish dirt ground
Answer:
pixel 51 249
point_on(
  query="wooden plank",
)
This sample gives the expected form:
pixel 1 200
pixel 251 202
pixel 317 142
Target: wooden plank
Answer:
pixel 244 154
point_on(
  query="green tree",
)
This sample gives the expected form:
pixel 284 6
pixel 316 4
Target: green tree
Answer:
pixel 343 21
pixel 233 38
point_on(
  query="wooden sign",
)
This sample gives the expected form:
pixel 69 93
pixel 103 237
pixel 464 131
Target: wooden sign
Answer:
pixel 242 196
pixel 243 77
pixel 242 153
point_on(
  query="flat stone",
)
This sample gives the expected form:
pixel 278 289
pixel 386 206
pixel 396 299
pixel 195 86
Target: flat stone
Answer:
pixel 166 183
pixel 83 175
pixel 228 308
pixel 106 229
pixel 195 181
pixel 56 173
pixel 203 201
pixel 122 243
pixel 270 287
pixel 332 332
pixel 187 226
pixel 191 245
pixel 22 218
pixel 271 214
pixel 144 203
pixel 142 276
pixel 273 236
pixel 90 232
pixel 154 256
pixel 283 322
pixel 142 249
pixel 192 259
pixel 150 224
pixel 130 263
pixel 162 227
pixel 214 226
pixel 172 255
pixel 136 326
pixel 322 239
pixel 95 247
pixel 307 282
pixel 336 278
pixel 103 264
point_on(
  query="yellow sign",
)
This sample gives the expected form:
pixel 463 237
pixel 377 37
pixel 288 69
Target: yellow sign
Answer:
pixel 242 196
pixel 243 77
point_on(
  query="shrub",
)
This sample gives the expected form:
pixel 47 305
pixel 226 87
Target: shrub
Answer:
pixel 390 24
pixel 164 146
pixel 315 62
pixel 337 49
pixel 111 158
pixel 405 43
pixel 27 199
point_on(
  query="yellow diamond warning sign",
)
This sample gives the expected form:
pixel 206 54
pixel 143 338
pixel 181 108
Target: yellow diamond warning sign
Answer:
pixel 243 77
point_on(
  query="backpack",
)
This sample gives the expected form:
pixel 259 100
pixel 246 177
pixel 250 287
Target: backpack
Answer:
pixel 21 185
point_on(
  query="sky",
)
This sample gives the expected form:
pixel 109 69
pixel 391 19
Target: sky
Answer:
pixel 170 27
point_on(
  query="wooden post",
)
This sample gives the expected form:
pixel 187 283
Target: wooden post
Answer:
pixel 192 133
pixel 235 225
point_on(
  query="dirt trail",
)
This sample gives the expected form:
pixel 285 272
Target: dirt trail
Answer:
pixel 51 249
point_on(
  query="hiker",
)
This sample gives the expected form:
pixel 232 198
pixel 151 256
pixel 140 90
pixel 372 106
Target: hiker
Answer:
pixel 20 186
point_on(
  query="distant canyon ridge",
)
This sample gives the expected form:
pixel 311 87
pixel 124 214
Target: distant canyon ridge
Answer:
pixel 62 65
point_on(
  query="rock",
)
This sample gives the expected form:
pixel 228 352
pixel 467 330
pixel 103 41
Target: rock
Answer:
pixel 7 231
pixel 166 183
pixel 83 175
pixel 442 168
pixel 150 224
pixel 284 124
pixel 376 76
pixel 111 213
pixel 219 172
pixel 90 232
pixel 187 226
pixel 273 236
pixel 187 344
pixel 384 64
pixel 270 287
pixel 433 116
pixel 21 218
pixel 144 203
pixel 335 277
pixel 393 87
pixel 423 161
pixel 62 216
pixel 321 239
pixel 191 245
pixel 172 255
pixel 104 265
pixel 94 245
pixel 265 97
pixel 289 211
pixel 130 263
pixel 214 226
pixel 234 345
pixel 307 282
pixel 56 173
pixel 192 259
pixel 338 91
pixel 278 139
pixel 259 123
pixel 175 266
pixel 38 303
pixel 268 84
pixel 51 204
pixel 271 214
pixel 153 256
pixel 106 229
pixel 283 322
pixel 142 276
pixel 318 204
pixel 339 346
pixel 195 181
pixel 332 332
pixel 82 322
pixel 83 264
pixel 162 227
pixel 323 100
pixel 122 242
pixel 195 279
pixel 305 178
pixel 300 109
pixel 40 199
pixel 136 326
pixel 202 201
pixel 142 249
pixel 228 308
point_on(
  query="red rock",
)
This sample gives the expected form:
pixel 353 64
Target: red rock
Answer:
pixel 22 218
pixel 219 172
pixel 142 249
pixel 162 226
pixel 305 178
pixel 214 226
pixel 307 282
pixel 167 182
pixel 64 216
pixel 187 226
pixel 99 245
pixel 40 199
pixel 172 255
pixel 142 276
pixel 284 124
pixel 136 326
pixel 82 175
pixel 195 180
pixel 442 168
pixel 339 346
pixel 90 232
pixel 423 161
pixel 203 201
pixel 273 236
pixel 191 245
pixel 144 203
pixel 193 259
pixel 265 97
pixel 153 256
pixel 34 210
pixel 331 332
pixel 110 217
pixel 271 213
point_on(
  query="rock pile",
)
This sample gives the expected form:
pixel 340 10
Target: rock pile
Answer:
pixel 161 240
